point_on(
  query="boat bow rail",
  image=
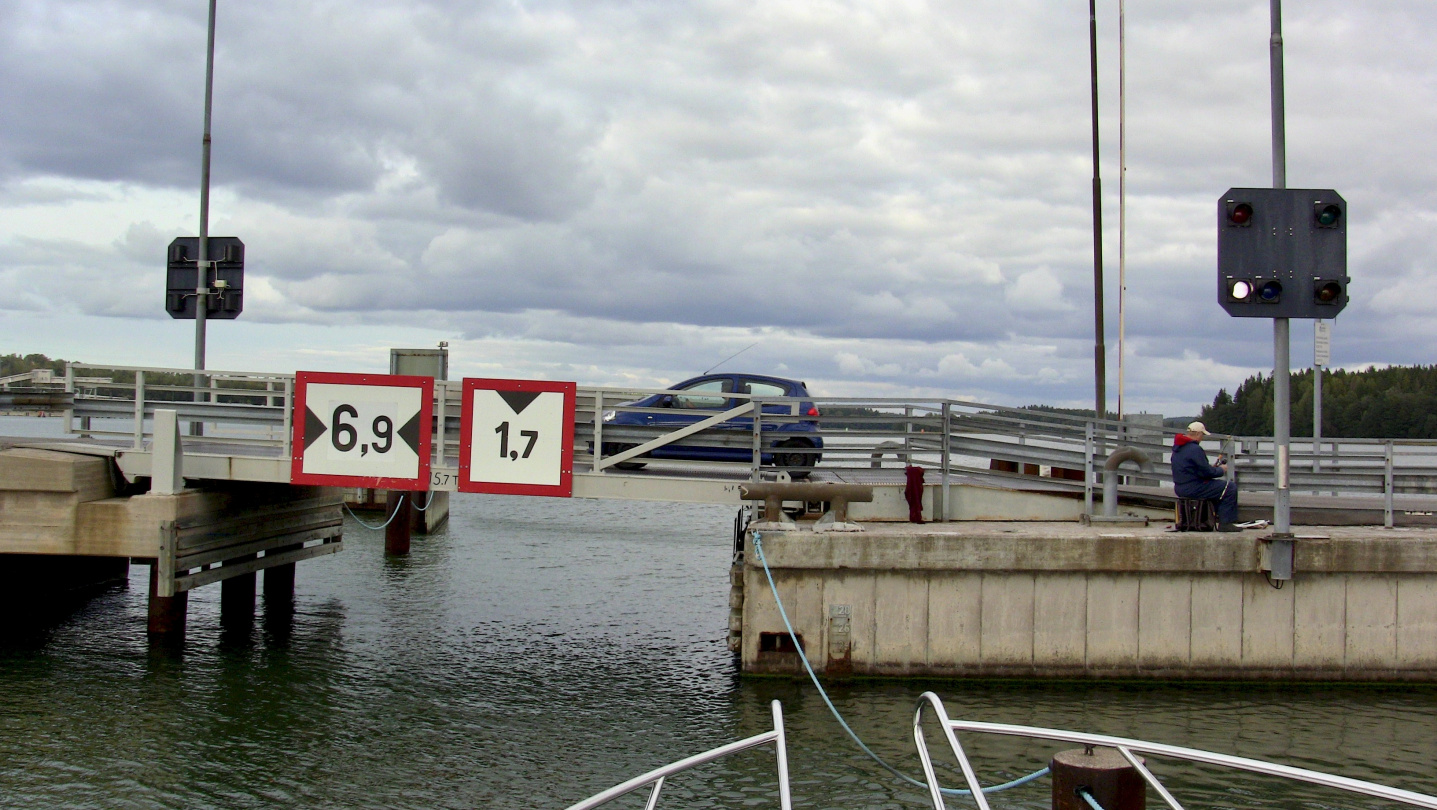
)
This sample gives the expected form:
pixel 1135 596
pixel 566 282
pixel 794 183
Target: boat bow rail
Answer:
pixel 1129 749
pixel 654 780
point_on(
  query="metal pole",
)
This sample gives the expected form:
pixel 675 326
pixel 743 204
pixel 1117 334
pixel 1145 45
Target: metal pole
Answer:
pixel 1100 352
pixel 1281 406
pixel 202 260
pixel 1316 417
pixel 1122 194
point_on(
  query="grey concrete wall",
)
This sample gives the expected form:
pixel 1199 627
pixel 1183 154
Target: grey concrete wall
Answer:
pixel 1065 601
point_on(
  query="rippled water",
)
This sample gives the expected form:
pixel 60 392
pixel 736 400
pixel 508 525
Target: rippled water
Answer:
pixel 537 651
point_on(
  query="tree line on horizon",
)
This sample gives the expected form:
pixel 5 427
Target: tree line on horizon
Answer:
pixel 1398 402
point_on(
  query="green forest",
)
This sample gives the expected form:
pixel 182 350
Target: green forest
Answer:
pixel 19 364
pixel 1386 403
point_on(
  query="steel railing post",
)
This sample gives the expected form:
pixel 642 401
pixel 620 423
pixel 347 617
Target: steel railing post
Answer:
pixel 908 435
pixel 947 458
pixel 598 430
pixel 757 437
pixel 1387 487
pixel 1088 469
pixel 139 410
pixel 286 441
pixel 1229 450
pixel 70 388
pixel 441 398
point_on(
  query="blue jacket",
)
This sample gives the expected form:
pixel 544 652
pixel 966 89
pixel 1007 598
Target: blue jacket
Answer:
pixel 1190 467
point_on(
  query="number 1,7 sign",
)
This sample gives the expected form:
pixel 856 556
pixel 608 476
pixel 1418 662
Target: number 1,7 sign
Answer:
pixel 362 430
pixel 517 437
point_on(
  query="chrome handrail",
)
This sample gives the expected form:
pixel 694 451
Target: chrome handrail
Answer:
pixel 657 776
pixel 1128 747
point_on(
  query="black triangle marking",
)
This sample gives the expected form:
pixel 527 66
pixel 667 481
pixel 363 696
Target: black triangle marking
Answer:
pixel 313 427
pixel 410 433
pixel 519 400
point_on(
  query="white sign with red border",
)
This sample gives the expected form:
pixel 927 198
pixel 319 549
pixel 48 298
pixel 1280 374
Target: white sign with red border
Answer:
pixel 362 430
pixel 517 437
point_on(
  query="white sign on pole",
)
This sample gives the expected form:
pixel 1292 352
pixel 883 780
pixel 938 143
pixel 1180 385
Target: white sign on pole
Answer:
pixel 517 437
pixel 362 430
pixel 1321 343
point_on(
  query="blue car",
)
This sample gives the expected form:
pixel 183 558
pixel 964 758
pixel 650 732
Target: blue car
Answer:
pixel 790 443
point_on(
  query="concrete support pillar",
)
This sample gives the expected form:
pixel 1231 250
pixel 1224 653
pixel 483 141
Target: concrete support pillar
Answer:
pixel 399 511
pixel 1103 773
pixel 166 613
pixel 237 598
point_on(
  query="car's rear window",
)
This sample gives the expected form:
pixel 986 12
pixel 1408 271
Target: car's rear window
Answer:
pixel 764 389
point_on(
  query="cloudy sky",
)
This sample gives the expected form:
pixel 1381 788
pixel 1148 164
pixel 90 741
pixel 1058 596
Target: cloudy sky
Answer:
pixel 888 198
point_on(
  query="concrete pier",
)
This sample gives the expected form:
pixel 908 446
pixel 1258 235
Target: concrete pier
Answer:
pixel 1063 600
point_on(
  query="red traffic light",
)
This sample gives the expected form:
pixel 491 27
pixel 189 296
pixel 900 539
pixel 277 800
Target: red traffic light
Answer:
pixel 1239 213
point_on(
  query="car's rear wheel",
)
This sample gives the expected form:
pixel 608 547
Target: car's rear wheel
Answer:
pixel 798 464
pixel 615 449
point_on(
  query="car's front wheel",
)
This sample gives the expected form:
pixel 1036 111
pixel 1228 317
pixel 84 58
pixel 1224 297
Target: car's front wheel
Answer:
pixel 799 464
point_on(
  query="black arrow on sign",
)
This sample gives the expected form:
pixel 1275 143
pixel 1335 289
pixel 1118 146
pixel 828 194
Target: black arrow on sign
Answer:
pixel 314 427
pixel 519 400
pixel 410 433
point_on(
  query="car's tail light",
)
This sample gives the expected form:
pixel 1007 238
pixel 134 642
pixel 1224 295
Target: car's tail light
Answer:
pixel 813 411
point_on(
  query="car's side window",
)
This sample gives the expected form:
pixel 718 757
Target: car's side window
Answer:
pixel 763 389
pixel 707 394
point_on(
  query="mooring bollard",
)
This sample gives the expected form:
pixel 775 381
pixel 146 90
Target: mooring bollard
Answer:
pixel 1103 773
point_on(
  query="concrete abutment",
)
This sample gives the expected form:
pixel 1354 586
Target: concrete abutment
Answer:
pixel 1068 601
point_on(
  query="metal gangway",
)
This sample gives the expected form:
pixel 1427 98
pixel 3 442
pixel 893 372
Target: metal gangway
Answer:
pixel 241 430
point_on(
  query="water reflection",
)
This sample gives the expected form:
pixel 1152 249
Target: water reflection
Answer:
pixel 537 651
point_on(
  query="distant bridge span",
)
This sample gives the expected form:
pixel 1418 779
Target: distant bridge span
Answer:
pixel 246 435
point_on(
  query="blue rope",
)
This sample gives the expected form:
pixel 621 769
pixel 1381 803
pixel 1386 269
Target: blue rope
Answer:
pixel 1088 797
pixel 427 502
pixel 783 614
pixel 383 525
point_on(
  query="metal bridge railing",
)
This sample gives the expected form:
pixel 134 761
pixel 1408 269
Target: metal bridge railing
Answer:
pixel 252 413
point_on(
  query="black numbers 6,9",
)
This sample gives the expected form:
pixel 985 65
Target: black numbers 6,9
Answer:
pixel 387 433
pixel 344 437
pixel 505 452
pixel 339 428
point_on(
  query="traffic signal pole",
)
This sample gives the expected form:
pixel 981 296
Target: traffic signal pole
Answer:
pixel 1281 548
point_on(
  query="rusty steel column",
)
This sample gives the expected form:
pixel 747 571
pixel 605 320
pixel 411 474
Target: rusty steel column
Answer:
pixel 166 613
pixel 399 511
pixel 1103 773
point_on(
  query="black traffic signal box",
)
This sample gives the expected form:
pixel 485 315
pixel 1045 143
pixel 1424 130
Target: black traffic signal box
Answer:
pixel 226 277
pixel 1282 252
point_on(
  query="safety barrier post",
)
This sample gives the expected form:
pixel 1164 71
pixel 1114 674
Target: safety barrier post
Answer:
pixel 286 440
pixel 598 430
pixel 947 458
pixel 1088 472
pixel 1387 487
pixel 139 410
pixel 757 438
